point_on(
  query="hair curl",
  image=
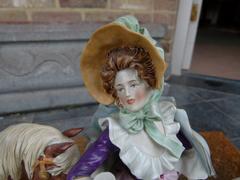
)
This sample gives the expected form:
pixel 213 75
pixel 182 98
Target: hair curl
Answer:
pixel 123 58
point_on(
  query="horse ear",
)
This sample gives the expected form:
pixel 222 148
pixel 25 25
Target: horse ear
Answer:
pixel 54 150
pixel 72 132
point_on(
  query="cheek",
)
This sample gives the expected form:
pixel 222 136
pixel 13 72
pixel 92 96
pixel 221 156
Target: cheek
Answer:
pixel 140 95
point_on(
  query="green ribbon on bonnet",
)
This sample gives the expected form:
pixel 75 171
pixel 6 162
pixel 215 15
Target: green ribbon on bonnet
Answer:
pixel 134 122
pixel 132 23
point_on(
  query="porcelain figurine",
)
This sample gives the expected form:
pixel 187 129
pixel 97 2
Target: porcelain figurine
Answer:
pixel 123 70
pixel 37 152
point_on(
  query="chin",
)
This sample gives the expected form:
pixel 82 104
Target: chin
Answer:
pixel 134 107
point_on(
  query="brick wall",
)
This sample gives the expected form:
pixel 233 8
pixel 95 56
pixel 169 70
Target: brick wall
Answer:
pixel 75 11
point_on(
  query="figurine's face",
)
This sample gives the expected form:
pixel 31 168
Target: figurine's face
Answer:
pixel 133 93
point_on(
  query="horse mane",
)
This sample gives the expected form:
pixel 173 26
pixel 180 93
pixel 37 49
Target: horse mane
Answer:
pixel 26 142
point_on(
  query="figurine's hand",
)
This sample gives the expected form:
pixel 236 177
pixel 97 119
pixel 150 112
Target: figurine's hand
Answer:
pixel 172 129
pixel 105 176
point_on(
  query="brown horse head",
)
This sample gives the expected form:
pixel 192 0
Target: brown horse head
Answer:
pixel 45 163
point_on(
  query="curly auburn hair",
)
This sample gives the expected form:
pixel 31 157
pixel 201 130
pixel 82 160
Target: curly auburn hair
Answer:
pixel 123 58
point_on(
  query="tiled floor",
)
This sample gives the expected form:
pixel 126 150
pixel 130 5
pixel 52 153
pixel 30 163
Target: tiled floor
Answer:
pixel 207 109
pixel 207 82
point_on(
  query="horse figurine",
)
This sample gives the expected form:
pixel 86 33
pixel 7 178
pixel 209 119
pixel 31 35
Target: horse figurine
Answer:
pixel 37 152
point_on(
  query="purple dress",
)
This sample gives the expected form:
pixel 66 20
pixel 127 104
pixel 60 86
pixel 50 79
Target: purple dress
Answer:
pixel 99 152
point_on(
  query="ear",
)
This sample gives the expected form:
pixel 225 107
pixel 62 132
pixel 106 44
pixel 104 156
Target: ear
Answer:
pixel 54 150
pixel 72 132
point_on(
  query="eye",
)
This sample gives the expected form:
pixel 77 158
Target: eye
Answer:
pixel 120 89
pixel 133 85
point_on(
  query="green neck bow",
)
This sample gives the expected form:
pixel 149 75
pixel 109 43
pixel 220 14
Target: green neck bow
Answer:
pixel 134 122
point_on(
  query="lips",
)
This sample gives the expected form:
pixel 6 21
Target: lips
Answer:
pixel 131 101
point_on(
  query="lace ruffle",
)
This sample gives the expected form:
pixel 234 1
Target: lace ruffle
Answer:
pixel 143 165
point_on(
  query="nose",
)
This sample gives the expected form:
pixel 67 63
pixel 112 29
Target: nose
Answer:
pixel 127 92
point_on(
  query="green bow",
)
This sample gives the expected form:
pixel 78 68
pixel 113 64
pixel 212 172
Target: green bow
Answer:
pixel 134 122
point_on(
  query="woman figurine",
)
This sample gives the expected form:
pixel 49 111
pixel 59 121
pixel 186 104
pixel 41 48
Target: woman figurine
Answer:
pixel 122 67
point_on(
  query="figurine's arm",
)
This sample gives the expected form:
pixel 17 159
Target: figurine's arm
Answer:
pixel 196 140
pixel 95 155
pixel 168 109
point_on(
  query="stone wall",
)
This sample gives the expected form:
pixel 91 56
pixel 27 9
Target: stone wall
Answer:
pixel 39 65
pixel 77 11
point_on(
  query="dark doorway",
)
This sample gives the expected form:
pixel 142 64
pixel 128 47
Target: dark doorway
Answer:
pixel 217 48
